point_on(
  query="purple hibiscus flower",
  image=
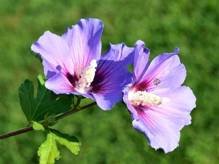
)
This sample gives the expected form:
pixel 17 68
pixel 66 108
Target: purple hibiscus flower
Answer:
pixel 73 63
pixel 160 106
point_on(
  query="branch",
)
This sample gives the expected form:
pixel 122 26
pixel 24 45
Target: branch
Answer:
pixel 30 128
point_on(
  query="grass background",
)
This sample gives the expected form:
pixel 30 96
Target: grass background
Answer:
pixel 108 137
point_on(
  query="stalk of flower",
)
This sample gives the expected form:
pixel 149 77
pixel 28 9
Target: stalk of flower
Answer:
pixel 73 63
pixel 159 105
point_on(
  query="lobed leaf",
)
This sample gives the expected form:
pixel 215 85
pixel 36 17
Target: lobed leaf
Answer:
pixel 70 142
pixel 44 104
pixel 48 151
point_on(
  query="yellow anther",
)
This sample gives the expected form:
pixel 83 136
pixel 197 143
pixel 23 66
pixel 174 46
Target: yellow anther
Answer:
pixel 143 98
pixel 86 77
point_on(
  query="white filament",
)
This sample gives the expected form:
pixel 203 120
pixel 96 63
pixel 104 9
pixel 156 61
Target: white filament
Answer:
pixel 143 98
pixel 86 77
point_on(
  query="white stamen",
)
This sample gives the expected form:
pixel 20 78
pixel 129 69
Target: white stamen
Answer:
pixel 143 98
pixel 86 77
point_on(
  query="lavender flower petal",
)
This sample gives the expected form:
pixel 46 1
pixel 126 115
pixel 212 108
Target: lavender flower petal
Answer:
pixel 111 76
pixel 140 59
pixel 54 52
pixel 59 84
pixel 84 40
pixel 162 124
pixel 158 131
pixel 165 70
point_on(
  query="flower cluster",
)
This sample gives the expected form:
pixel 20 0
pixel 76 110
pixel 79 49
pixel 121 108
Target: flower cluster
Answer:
pixel 159 105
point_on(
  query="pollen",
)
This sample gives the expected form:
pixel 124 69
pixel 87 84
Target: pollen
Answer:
pixel 143 98
pixel 86 77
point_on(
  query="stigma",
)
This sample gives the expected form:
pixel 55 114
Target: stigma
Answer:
pixel 143 98
pixel 86 77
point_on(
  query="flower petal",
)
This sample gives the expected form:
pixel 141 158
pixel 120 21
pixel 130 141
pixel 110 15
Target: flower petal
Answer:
pixel 162 133
pixel 107 101
pixel 111 76
pixel 84 40
pixel 131 108
pixel 164 71
pixel 181 98
pixel 140 59
pixel 119 52
pixel 162 124
pixel 59 84
pixel 49 69
pixel 54 52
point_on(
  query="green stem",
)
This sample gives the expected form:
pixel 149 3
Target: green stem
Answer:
pixel 30 128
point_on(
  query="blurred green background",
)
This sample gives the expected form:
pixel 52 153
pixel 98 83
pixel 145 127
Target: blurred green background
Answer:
pixel 108 137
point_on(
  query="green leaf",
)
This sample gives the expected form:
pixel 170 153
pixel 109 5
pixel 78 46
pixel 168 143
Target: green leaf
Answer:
pixel 44 104
pixel 73 147
pixel 26 95
pixel 41 79
pixel 70 142
pixel 48 151
pixel 38 126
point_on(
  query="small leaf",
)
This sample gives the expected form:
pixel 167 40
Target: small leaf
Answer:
pixel 44 104
pixel 48 151
pixel 38 126
pixel 73 147
pixel 70 142
pixel 26 95
pixel 41 79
